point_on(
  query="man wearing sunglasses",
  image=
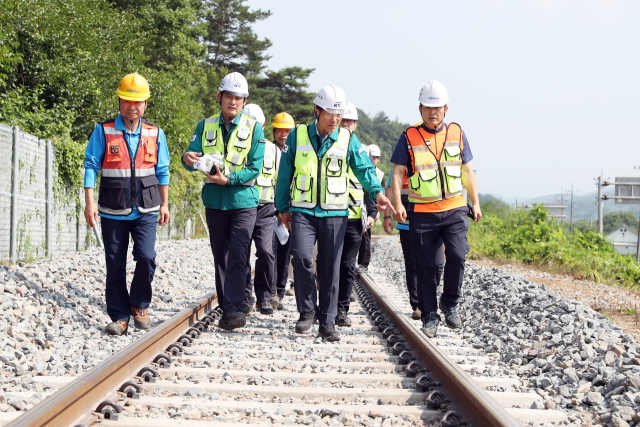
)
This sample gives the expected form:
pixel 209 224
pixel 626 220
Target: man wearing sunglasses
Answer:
pixel 312 197
pixel 438 162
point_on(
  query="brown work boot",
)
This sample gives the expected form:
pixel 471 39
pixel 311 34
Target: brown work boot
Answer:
pixel 119 327
pixel 417 314
pixel 140 318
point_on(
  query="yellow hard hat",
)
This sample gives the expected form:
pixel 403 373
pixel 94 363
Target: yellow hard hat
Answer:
pixel 133 87
pixel 283 121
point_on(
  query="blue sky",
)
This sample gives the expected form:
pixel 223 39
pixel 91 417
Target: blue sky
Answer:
pixel 546 91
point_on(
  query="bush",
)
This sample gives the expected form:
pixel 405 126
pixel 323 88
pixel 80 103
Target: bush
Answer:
pixel 532 237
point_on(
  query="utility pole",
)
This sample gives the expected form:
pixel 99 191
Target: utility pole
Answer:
pixel 600 206
pixel 571 217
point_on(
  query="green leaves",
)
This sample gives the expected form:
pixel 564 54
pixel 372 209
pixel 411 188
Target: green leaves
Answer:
pixel 532 237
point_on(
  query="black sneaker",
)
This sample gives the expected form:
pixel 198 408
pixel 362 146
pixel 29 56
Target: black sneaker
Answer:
pixel 248 309
pixel 305 321
pixel 232 320
pixel 430 324
pixel 341 318
pixel 362 269
pixel 328 332
pixel 265 307
pixel 451 317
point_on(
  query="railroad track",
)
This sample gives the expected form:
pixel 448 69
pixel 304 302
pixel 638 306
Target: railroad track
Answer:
pixel 189 372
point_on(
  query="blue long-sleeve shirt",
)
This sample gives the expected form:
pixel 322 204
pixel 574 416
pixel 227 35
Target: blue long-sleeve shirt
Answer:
pixel 357 158
pixel 234 195
pixel 94 155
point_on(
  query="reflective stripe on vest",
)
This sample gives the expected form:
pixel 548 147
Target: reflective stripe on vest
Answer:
pixel 126 182
pixel 327 176
pixel 266 181
pixel 356 196
pixel 436 176
pixel 238 144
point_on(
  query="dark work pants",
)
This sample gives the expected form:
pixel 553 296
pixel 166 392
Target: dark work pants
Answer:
pixel 364 256
pixel 263 236
pixel 426 230
pixel 281 270
pixel 329 233
pixel 411 272
pixel 230 236
pixel 115 234
pixel 352 239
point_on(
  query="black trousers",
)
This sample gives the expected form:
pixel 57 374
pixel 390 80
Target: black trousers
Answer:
pixel 230 237
pixel 115 234
pixel 329 233
pixel 364 256
pixel 426 230
pixel 263 236
pixel 350 247
pixel 411 271
pixel 281 270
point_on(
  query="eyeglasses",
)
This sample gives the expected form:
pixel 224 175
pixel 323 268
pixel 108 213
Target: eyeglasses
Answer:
pixel 333 116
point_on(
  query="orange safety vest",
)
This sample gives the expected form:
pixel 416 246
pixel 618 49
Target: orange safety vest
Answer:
pixel 125 181
pixel 436 181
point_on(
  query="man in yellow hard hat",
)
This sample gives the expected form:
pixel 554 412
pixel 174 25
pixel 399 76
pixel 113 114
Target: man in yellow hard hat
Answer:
pixel 132 158
pixel 281 125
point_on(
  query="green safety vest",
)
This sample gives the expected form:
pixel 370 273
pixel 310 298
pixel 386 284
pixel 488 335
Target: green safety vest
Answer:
pixel 238 144
pixel 327 176
pixel 266 181
pixel 356 194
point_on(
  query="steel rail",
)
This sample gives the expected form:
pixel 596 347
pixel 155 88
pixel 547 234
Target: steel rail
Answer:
pixel 475 405
pixel 82 396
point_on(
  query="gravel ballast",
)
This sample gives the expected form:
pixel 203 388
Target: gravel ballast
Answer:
pixel 53 315
pixel 571 355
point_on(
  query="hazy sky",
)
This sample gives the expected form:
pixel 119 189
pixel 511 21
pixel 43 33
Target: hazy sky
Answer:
pixel 547 92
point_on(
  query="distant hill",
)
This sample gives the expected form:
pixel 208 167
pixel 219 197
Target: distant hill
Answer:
pixel 584 206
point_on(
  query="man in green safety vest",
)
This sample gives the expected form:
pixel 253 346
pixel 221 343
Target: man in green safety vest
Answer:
pixel 263 234
pixel 230 195
pixel 364 255
pixel 312 197
pixel 355 230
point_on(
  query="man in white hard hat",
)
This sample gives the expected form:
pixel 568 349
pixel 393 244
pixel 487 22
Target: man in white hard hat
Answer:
pixel 263 229
pixel 358 200
pixel 312 198
pixel 230 196
pixel 364 255
pixel 438 159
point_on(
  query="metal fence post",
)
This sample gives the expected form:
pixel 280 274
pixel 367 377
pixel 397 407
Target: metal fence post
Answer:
pixel 15 187
pixel 49 240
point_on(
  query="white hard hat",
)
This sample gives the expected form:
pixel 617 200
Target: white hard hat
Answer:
pixel 351 112
pixel 332 99
pixel 234 84
pixel 374 150
pixel 433 94
pixel 255 112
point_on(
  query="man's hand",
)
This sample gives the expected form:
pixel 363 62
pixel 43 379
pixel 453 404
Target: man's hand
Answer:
pixel 219 178
pixel 285 218
pixel 369 224
pixel 477 213
pixel 384 203
pixel 191 157
pixel 164 215
pixel 387 224
pixel 91 214
pixel 400 214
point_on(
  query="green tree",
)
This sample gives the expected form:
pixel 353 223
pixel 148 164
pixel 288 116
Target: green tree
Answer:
pixel 229 39
pixel 613 220
pixel 284 90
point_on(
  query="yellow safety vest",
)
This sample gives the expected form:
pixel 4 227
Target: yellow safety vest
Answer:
pixel 266 181
pixel 327 176
pixel 356 194
pixel 236 150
